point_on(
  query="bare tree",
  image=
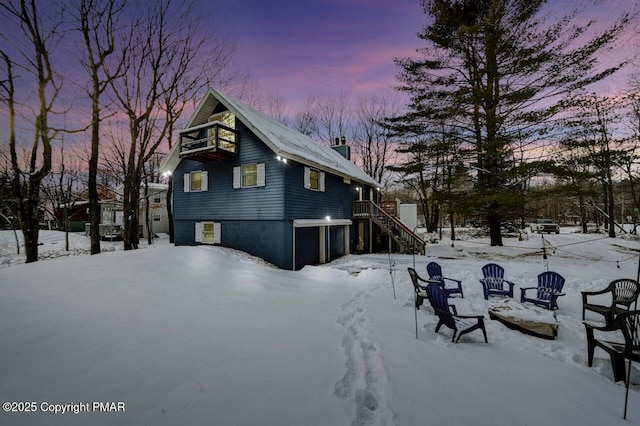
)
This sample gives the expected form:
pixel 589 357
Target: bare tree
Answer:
pixel 269 103
pixel 162 68
pixel 306 119
pixel 334 115
pixel 32 55
pixel 97 21
pixel 592 130
pixel 632 156
pixel 373 143
pixel 62 190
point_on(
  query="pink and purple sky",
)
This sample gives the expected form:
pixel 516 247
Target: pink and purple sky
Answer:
pixel 297 48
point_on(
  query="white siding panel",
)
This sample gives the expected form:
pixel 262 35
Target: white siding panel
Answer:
pixel 205 181
pixel 237 172
pixel 198 232
pixel 216 233
pixel 261 174
pixel 307 178
pixel 187 182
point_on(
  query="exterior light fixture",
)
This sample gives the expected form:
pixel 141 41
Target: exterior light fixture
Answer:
pixel 328 218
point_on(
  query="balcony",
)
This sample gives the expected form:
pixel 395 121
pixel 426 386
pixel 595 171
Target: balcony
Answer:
pixel 212 141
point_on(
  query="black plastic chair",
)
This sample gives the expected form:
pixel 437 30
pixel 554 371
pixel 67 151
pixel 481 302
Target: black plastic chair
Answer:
pixel 614 348
pixel 629 324
pixel 419 290
pixel 435 273
pixel 547 292
pixel 623 293
pixel 493 283
pixel 448 316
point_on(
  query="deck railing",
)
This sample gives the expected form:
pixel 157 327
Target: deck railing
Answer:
pixel 213 136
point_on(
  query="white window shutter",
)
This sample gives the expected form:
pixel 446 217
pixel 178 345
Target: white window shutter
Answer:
pixel 321 183
pixel 261 174
pixel 307 177
pixel 236 177
pixel 187 182
pixel 198 232
pixel 205 181
pixel 216 233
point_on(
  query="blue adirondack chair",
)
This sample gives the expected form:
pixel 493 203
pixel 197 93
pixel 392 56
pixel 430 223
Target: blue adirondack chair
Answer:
pixel 493 283
pixel 448 316
pixel 435 273
pixel 547 292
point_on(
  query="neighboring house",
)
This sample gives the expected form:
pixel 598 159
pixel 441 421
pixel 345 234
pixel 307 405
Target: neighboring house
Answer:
pixel 78 214
pixel 158 216
pixel 112 215
pixel 246 181
pixel 110 222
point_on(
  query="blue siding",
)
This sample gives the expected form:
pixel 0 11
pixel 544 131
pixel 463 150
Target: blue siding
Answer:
pixel 301 203
pixel 259 220
pixel 269 240
pixel 221 201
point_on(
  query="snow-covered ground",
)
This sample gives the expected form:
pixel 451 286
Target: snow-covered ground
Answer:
pixel 207 335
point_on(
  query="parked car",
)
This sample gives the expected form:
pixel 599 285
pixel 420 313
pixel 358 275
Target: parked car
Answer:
pixel 545 225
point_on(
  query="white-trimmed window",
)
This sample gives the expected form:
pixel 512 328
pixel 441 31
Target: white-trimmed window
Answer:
pixel 207 232
pixel 156 198
pixel 156 217
pixel 313 179
pixel 249 175
pixel 196 181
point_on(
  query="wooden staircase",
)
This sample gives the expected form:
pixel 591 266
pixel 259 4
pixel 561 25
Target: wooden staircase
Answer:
pixel 406 239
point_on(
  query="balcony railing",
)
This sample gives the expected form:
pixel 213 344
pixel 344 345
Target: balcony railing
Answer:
pixel 209 141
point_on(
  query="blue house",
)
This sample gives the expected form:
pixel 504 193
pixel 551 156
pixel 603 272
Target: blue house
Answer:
pixel 246 181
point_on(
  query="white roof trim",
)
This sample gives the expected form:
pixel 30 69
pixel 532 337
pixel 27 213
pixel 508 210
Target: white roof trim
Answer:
pixel 308 223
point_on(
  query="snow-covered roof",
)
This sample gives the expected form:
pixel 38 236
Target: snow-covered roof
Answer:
pixel 282 140
pixel 313 223
pixel 152 186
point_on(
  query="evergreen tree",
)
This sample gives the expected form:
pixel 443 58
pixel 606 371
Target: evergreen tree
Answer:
pixel 498 71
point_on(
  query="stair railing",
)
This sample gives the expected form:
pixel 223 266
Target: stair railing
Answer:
pixel 391 225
